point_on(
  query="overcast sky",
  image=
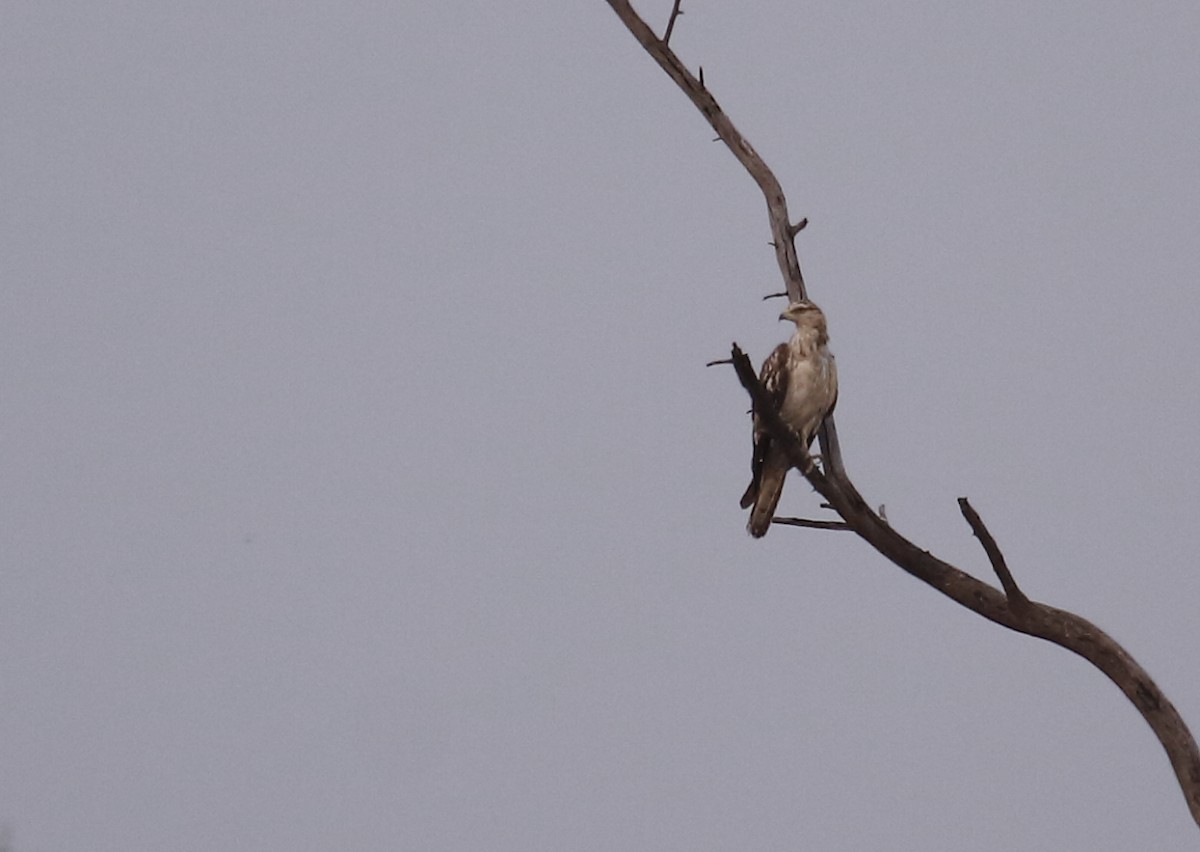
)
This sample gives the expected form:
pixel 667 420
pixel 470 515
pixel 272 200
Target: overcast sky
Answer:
pixel 364 487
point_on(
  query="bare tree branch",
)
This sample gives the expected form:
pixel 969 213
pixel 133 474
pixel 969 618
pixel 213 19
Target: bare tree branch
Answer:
pixel 811 524
pixel 1016 612
pixel 675 13
pixel 1015 596
pixel 785 249
pixel 1009 608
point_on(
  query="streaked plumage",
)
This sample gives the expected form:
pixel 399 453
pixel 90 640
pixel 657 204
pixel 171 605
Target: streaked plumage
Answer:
pixel 800 377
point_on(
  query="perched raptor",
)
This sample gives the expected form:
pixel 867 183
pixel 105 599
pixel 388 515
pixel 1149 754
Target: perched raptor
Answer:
pixel 800 377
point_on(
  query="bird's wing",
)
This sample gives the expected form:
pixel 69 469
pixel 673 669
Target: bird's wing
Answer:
pixel 774 379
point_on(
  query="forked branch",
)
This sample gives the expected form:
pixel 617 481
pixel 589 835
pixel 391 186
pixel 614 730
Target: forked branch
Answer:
pixel 1012 609
pixel 1015 596
pixel 1009 608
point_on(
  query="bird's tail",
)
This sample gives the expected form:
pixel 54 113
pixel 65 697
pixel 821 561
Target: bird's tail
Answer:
pixel 770 488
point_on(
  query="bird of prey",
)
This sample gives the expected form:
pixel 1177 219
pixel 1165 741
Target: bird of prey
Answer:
pixel 800 378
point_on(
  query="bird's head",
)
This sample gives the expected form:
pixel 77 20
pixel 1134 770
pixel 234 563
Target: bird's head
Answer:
pixel 804 314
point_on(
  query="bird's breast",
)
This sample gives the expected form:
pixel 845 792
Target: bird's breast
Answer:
pixel 812 387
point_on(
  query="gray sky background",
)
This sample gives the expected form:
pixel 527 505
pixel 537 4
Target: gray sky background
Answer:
pixel 364 487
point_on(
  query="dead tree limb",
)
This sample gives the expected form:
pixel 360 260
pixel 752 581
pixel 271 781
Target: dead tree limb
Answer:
pixel 1015 596
pixel 675 13
pixel 1012 610
pixel 781 227
pixel 1009 608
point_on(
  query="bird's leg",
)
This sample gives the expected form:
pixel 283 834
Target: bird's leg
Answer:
pixel 806 442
